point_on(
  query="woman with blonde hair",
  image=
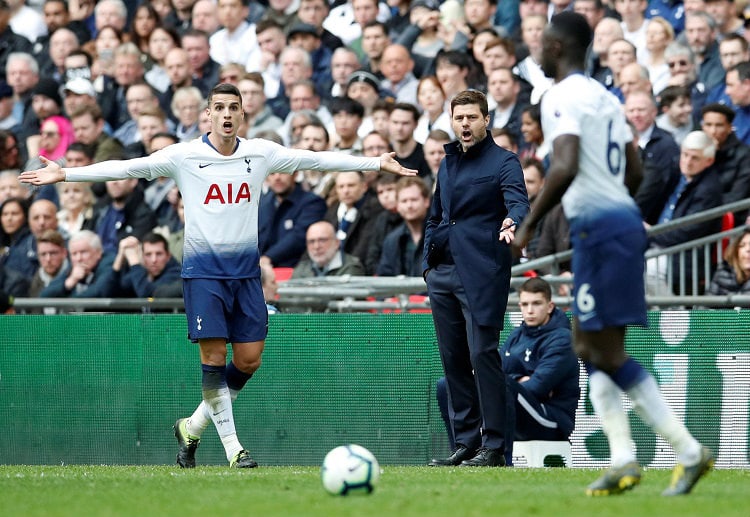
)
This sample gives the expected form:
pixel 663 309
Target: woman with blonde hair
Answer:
pixel 659 34
pixel 76 208
pixel 733 275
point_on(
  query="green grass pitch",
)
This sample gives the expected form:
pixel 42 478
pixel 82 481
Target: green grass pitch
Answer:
pixel 89 491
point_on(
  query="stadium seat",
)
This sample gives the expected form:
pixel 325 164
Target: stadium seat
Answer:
pixel 283 273
pixel 538 453
pixel 727 223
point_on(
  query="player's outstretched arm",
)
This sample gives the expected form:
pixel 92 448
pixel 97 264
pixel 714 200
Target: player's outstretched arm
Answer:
pixel 388 163
pixel 50 173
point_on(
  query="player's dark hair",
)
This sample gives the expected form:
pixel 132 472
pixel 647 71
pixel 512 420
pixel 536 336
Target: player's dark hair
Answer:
pixel 537 285
pixel 574 31
pixel 224 88
pixel 723 109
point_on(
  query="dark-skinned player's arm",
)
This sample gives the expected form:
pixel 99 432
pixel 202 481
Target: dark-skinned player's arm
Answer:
pixel 562 172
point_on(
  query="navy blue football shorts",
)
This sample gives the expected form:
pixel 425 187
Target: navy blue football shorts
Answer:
pixel 608 270
pixel 232 309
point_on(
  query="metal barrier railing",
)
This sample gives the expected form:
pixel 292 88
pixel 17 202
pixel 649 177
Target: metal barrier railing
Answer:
pixel 364 293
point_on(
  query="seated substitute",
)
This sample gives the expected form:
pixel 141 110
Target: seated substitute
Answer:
pixel 541 366
pixel 142 266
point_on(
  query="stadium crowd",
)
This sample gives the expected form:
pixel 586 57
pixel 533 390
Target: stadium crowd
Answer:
pixel 84 82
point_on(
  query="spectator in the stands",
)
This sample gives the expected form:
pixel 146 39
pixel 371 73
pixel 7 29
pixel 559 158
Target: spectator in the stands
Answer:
pixel 386 222
pixel 121 213
pixel 91 274
pixel 324 255
pixel 143 266
pixel 127 70
pixel 355 213
pixel 432 102
pixel 659 34
pixel 732 161
pixel 88 125
pixel 204 70
pixel 738 90
pixel 258 115
pixel 205 17
pixel 700 35
pixel 16 239
pixel 403 247
pixel 53 261
pixel 503 89
pixel 733 49
pixel 186 105
pixel 683 72
pixel 286 212
pixel 697 189
pixel 140 96
pixel 676 111
pixel 396 65
pixel 733 275
pixel 402 124
pixel 76 204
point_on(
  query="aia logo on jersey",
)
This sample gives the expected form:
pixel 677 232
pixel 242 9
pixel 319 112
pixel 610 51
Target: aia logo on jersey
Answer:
pixel 228 194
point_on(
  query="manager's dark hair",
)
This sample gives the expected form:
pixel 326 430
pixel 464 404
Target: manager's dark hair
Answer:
pixel 467 97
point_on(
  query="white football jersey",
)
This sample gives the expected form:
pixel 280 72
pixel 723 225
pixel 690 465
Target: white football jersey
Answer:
pixel 581 106
pixel 221 195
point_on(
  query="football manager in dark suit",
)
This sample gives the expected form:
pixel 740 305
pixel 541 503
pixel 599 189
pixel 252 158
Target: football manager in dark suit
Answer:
pixel 479 200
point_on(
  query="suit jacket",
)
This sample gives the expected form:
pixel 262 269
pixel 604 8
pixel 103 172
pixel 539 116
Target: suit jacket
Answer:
pixel 282 229
pixel 476 190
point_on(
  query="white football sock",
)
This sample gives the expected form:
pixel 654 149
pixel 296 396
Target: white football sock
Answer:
pixel 649 402
pixel 606 398
pixel 219 404
pixel 201 417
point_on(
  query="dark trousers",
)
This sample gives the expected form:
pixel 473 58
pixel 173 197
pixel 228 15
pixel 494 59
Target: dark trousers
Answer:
pixel 476 385
pixel 534 420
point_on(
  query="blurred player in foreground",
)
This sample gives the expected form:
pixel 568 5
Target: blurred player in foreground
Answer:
pixel 592 169
pixel 220 178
